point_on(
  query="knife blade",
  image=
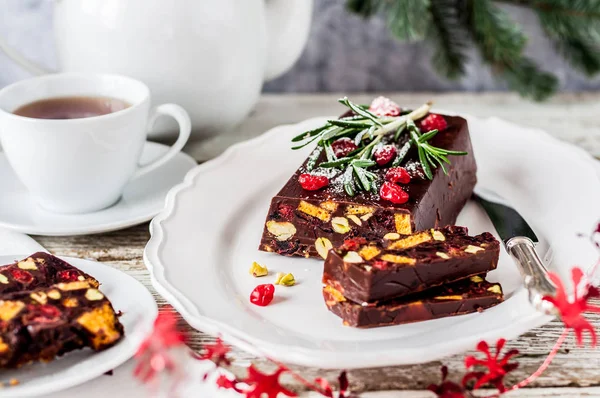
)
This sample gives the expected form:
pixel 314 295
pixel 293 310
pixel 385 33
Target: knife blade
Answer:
pixel 519 240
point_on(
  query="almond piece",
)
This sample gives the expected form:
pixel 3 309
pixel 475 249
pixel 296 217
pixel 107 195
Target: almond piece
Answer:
pixel 340 225
pixel 281 230
pixel 323 245
pixel 353 257
pixel 473 249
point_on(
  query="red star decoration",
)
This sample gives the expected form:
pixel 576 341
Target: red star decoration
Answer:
pixel 225 382
pixel 153 354
pixel 497 367
pixel 261 383
pixel 216 352
pixel 447 389
pixel 571 311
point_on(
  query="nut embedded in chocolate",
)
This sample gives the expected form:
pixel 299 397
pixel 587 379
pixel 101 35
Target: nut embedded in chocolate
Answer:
pixel 40 270
pixel 462 297
pixel 413 263
pixel 42 324
pixel 326 213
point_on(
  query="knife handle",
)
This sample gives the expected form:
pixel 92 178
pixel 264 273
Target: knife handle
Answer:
pixel 535 274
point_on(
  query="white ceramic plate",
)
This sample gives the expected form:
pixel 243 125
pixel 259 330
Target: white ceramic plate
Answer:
pixel 143 199
pixel 139 311
pixel 203 243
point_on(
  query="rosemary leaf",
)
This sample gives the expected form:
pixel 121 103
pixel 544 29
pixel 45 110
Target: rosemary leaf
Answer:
pixel 427 136
pixel 336 163
pixel 424 163
pixel 349 182
pixel 350 123
pixel 359 137
pixel 360 111
pixel 402 154
pixel 362 178
pixel 363 163
pixel 329 152
pixel 311 133
pixel 331 133
pixel 312 159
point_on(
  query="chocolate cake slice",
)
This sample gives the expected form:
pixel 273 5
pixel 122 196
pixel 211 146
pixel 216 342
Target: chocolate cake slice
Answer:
pixel 396 265
pixel 308 223
pixel 463 297
pixel 39 270
pixel 42 324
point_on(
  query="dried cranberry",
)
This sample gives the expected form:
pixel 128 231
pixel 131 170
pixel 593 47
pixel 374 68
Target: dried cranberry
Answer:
pixel 393 193
pixel 354 243
pixel 380 264
pixel 68 275
pixel 343 147
pixel 383 106
pixel 262 295
pixel 49 311
pixel 433 121
pixel 312 182
pixel 43 313
pixel 397 175
pixel 385 154
pixel 285 211
pixel 21 276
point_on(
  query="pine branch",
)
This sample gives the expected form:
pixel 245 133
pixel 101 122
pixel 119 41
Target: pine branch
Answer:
pixel 497 36
pixel 501 43
pixel 408 19
pixel 574 27
pixel 528 80
pixel 582 54
pixel 450 38
pixel 570 18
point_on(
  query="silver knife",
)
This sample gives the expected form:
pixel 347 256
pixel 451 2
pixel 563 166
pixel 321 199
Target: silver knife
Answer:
pixel 520 242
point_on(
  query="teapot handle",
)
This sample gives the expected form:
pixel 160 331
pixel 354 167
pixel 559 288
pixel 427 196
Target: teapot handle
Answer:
pixel 288 23
pixel 20 59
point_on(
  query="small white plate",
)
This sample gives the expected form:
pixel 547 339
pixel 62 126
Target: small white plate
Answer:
pixel 204 241
pixel 143 199
pixel 139 311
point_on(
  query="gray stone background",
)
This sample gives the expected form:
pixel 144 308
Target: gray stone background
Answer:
pixel 344 54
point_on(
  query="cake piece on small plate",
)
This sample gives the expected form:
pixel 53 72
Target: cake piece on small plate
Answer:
pixel 398 265
pixel 469 295
pixel 41 324
pixel 39 270
pixel 371 175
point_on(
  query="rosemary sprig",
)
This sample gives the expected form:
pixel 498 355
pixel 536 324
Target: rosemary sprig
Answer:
pixel 367 131
pixel 429 155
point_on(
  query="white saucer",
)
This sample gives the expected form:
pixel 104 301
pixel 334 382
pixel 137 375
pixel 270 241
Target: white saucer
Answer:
pixel 142 200
pixel 127 295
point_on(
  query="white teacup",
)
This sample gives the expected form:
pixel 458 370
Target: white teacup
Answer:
pixel 82 165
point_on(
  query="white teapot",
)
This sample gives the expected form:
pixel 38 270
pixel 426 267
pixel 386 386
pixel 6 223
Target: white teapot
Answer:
pixel 211 57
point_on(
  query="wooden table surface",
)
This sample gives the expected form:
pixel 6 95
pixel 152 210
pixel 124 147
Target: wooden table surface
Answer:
pixel 572 117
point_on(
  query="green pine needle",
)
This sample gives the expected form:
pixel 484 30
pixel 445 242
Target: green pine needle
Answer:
pixel 582 54
pixel 408 19
pixel 453 25
pixel 528 80
pixel 498 37
pixel 450 39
